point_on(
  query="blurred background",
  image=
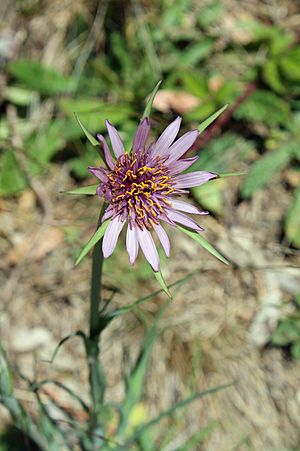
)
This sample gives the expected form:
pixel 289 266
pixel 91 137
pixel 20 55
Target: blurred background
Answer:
pixel 240 323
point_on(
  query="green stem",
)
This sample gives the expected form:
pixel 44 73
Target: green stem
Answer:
pixel 95 299
pixel 96 376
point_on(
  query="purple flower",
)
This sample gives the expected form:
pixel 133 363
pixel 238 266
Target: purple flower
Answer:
pixel 143 188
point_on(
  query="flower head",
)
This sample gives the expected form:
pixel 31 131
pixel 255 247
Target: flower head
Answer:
pixel 143 188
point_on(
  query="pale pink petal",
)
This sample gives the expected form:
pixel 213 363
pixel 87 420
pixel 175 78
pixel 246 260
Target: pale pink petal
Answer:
pixel 181 165
pixel 108 214
pixel 115 140
pixel 187 208
pixel 141 135
pixel 193 179
pixel 166 138
pixel 111 236
pixel 163 238
pixel 148 247
pixel 184 220
pixel 182 145
pixel 108 158
pixel 100 173
pixel 132 244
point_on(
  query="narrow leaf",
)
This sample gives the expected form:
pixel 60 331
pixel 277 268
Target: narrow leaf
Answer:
pixel 211 119
pixel 175 407
pixel 202 241
pixel 95 238
pixel 39 385
pixel 232 174
pixel 135 382
pixel 161 281
pixel 79 333
pixel 87 190
pixel 89 136
pixel 128 308
pixel 147 110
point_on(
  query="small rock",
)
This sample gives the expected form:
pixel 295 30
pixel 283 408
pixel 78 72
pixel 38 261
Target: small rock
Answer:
pixel 28 340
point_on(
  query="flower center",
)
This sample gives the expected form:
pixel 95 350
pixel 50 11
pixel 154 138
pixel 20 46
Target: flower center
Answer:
pixel 138 188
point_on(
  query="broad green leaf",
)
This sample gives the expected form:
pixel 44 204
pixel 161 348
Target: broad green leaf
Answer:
pixel 262 172
pixel 91 243
pixel 147 110
pixel 161 281
pixel 93 112
pixel 271 75
pixel 205 244
pixel 88 190
pixel 195 53
pixel 201 111
pixel 264 106
pixel 290 64
pixel 89 136
pixel 44 143
pixel 12 179
pixel 19 96
pixel 292 221
pixel 287 332
pixel 39 77
pixel 211 119
pixel 195 83
pixel 296 350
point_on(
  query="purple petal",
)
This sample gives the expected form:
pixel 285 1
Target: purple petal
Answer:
pixel 166 138
pixel 115 140
pixel 100 173
pixel 148 248
pixel 108 158
pixel 184 206
pixel 184 220
pixel 182 145
pixel 141 135
pixel 111 236
pixel 132 244
pixel 163 238
pixel 181 165
pixel 193 179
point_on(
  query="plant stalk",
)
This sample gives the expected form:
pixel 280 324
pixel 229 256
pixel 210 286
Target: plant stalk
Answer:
pixel 96 324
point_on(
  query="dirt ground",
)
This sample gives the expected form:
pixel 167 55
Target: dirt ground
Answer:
pixel 217 330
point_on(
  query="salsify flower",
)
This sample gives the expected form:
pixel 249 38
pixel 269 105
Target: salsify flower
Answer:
pixel 143 188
